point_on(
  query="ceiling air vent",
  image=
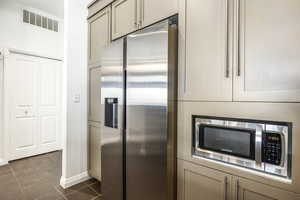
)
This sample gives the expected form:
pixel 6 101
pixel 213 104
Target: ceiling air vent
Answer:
pixel 41 21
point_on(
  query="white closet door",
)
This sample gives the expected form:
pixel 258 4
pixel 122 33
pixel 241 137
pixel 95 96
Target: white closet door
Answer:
pixel 49 105
pixel 32 90
pixel 20 92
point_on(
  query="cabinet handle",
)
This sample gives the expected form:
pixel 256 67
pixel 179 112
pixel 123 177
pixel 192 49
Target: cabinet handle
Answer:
pixel 238 39
pixel 135 15
pixel 237 189
pixel 142 7
pixel 225 188
pixel 227 75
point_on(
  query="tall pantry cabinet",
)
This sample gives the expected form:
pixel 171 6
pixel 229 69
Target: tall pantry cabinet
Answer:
pixel 240 50
pixel 99 38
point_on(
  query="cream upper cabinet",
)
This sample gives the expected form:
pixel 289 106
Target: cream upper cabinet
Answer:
pixel 95 94
pixel 197 183
pixel 152 11
pixel 207 68
pixel 124 17
pixel 268 46
pixel 131 15
pixel 99 35
pixel 249 190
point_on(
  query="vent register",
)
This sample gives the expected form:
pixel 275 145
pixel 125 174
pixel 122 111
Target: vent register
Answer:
pixel 41 21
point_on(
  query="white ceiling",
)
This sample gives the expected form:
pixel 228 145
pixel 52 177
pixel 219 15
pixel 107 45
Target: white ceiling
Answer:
pixel 53 7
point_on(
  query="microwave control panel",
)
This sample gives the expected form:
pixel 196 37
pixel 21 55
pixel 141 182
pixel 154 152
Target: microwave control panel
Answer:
pixel 272 148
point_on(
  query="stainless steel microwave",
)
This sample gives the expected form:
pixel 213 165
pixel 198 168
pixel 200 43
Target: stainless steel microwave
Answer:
pixel 259 145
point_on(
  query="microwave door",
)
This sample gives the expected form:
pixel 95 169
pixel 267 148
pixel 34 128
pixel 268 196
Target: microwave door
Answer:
pixel 229 141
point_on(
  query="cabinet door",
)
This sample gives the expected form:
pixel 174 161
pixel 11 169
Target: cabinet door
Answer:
pixel 95 94
pixel 94 150
pixel 155 10
pixel 124 17
pixel 200 183
pixel 99 35
pixel 208 61
pixel 249 190
pixel 268 61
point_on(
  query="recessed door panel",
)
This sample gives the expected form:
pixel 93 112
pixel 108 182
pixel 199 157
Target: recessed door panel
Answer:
pixel 207 73
pixel 48 129
pixel 99 35
pixel 49 81
pixel 249 190
pixel 268 63
pixel 24 134
pixel 95 94
pixel 124 17
pixel 197 183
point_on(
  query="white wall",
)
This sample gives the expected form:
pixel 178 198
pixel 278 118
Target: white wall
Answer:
pixel 75 161
pixel 22 36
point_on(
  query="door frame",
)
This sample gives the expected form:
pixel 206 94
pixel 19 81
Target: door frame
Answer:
pixel 5 112
pixel 3 161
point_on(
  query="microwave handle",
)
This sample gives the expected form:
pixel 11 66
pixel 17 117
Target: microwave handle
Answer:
pixel 258 145
pixel 196 136
pixel 283 150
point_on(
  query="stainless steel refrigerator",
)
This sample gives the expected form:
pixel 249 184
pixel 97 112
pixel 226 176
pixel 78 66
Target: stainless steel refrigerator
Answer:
pixel 138 104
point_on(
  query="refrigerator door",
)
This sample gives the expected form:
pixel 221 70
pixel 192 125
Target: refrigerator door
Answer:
pixel 112 105
pixel 147 97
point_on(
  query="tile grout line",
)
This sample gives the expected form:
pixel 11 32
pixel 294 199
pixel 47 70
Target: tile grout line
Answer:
pixel 64 196
pixel 17 179
pixel 96 197
pixel 93 189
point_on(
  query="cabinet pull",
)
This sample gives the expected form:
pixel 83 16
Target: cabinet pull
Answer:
pixel 238 38
pixel 237 189
pixel 227 75
pixel 142 7
pixel 225 188
pixel 108 27
pixel 135 15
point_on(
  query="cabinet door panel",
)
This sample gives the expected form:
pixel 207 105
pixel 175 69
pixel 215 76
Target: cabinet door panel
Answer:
pixel 94 150
pixel 207 67
pixel 95 95
pixel 268 60
pixel 197 183
pixel 249 190
pixel 99 30
pixel 124 17
pixel 156 10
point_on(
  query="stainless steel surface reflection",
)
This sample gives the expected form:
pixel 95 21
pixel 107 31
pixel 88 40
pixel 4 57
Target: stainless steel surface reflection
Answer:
pixel 147 100
pixel 112 138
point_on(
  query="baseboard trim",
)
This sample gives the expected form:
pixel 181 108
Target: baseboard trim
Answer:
pixel 3 162
pixel 69 182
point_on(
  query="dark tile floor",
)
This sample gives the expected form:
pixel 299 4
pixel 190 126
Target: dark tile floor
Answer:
pixel 37 178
